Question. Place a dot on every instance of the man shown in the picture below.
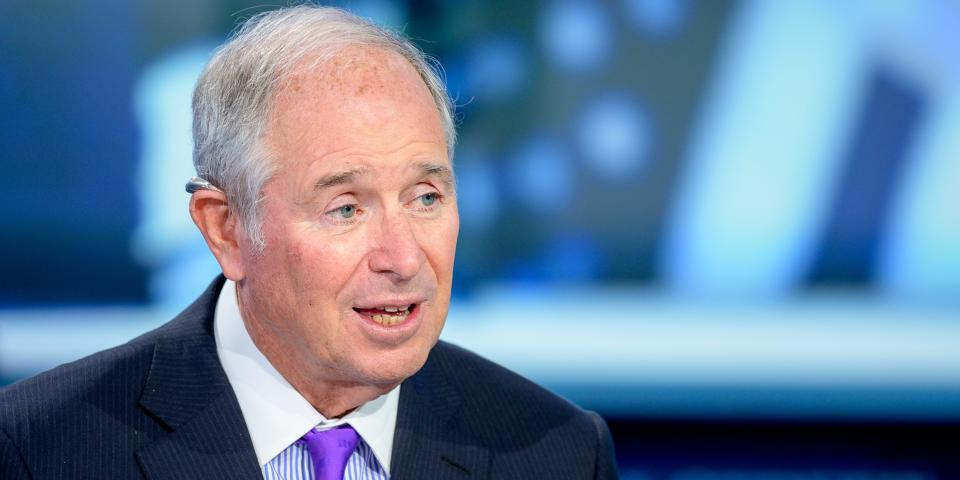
(326, 193)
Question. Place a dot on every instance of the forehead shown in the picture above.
(363, 101)
(360, 89)
(360, 70)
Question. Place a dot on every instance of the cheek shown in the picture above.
(294, 254)
(324, 268)
(449, 237)
(444, 245)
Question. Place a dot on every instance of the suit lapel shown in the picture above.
(430, 440)
(188, 391)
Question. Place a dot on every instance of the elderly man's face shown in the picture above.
(360, 222)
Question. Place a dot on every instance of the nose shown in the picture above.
(397, 252)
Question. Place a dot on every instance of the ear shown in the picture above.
(221, 229)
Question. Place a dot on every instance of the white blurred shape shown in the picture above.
(166, 240)
(920, 259)
(920, 256)
(765, 154)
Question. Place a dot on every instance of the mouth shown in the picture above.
(388, 315)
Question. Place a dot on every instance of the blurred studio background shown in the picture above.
(730, 227)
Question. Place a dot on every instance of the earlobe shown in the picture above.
(221, 230)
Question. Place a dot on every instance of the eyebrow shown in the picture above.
(442, 172)
(427, 169)
(339, 178)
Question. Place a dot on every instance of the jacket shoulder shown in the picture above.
(531, 430)
(492, 386)
(87, 409)
(87, 413)
(117, 371)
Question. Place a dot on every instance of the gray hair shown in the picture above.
(235, 94)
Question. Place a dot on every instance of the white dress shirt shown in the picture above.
(275, 413)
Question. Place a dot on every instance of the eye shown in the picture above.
(427, 202)
(346, 211)
(428, 199)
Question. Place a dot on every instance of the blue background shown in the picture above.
(733, 228)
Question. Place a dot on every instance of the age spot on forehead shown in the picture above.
(355, 71)
(367, 71)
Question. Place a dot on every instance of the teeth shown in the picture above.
(388, 320)
(393, 315)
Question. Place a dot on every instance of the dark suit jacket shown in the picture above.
(160, 407)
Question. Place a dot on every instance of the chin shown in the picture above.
(392, 368)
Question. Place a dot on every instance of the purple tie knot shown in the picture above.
(330, 450)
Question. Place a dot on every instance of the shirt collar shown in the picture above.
(275, 413)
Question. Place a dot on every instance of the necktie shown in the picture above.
(330, 449)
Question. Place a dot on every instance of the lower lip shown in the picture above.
(392, 334)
